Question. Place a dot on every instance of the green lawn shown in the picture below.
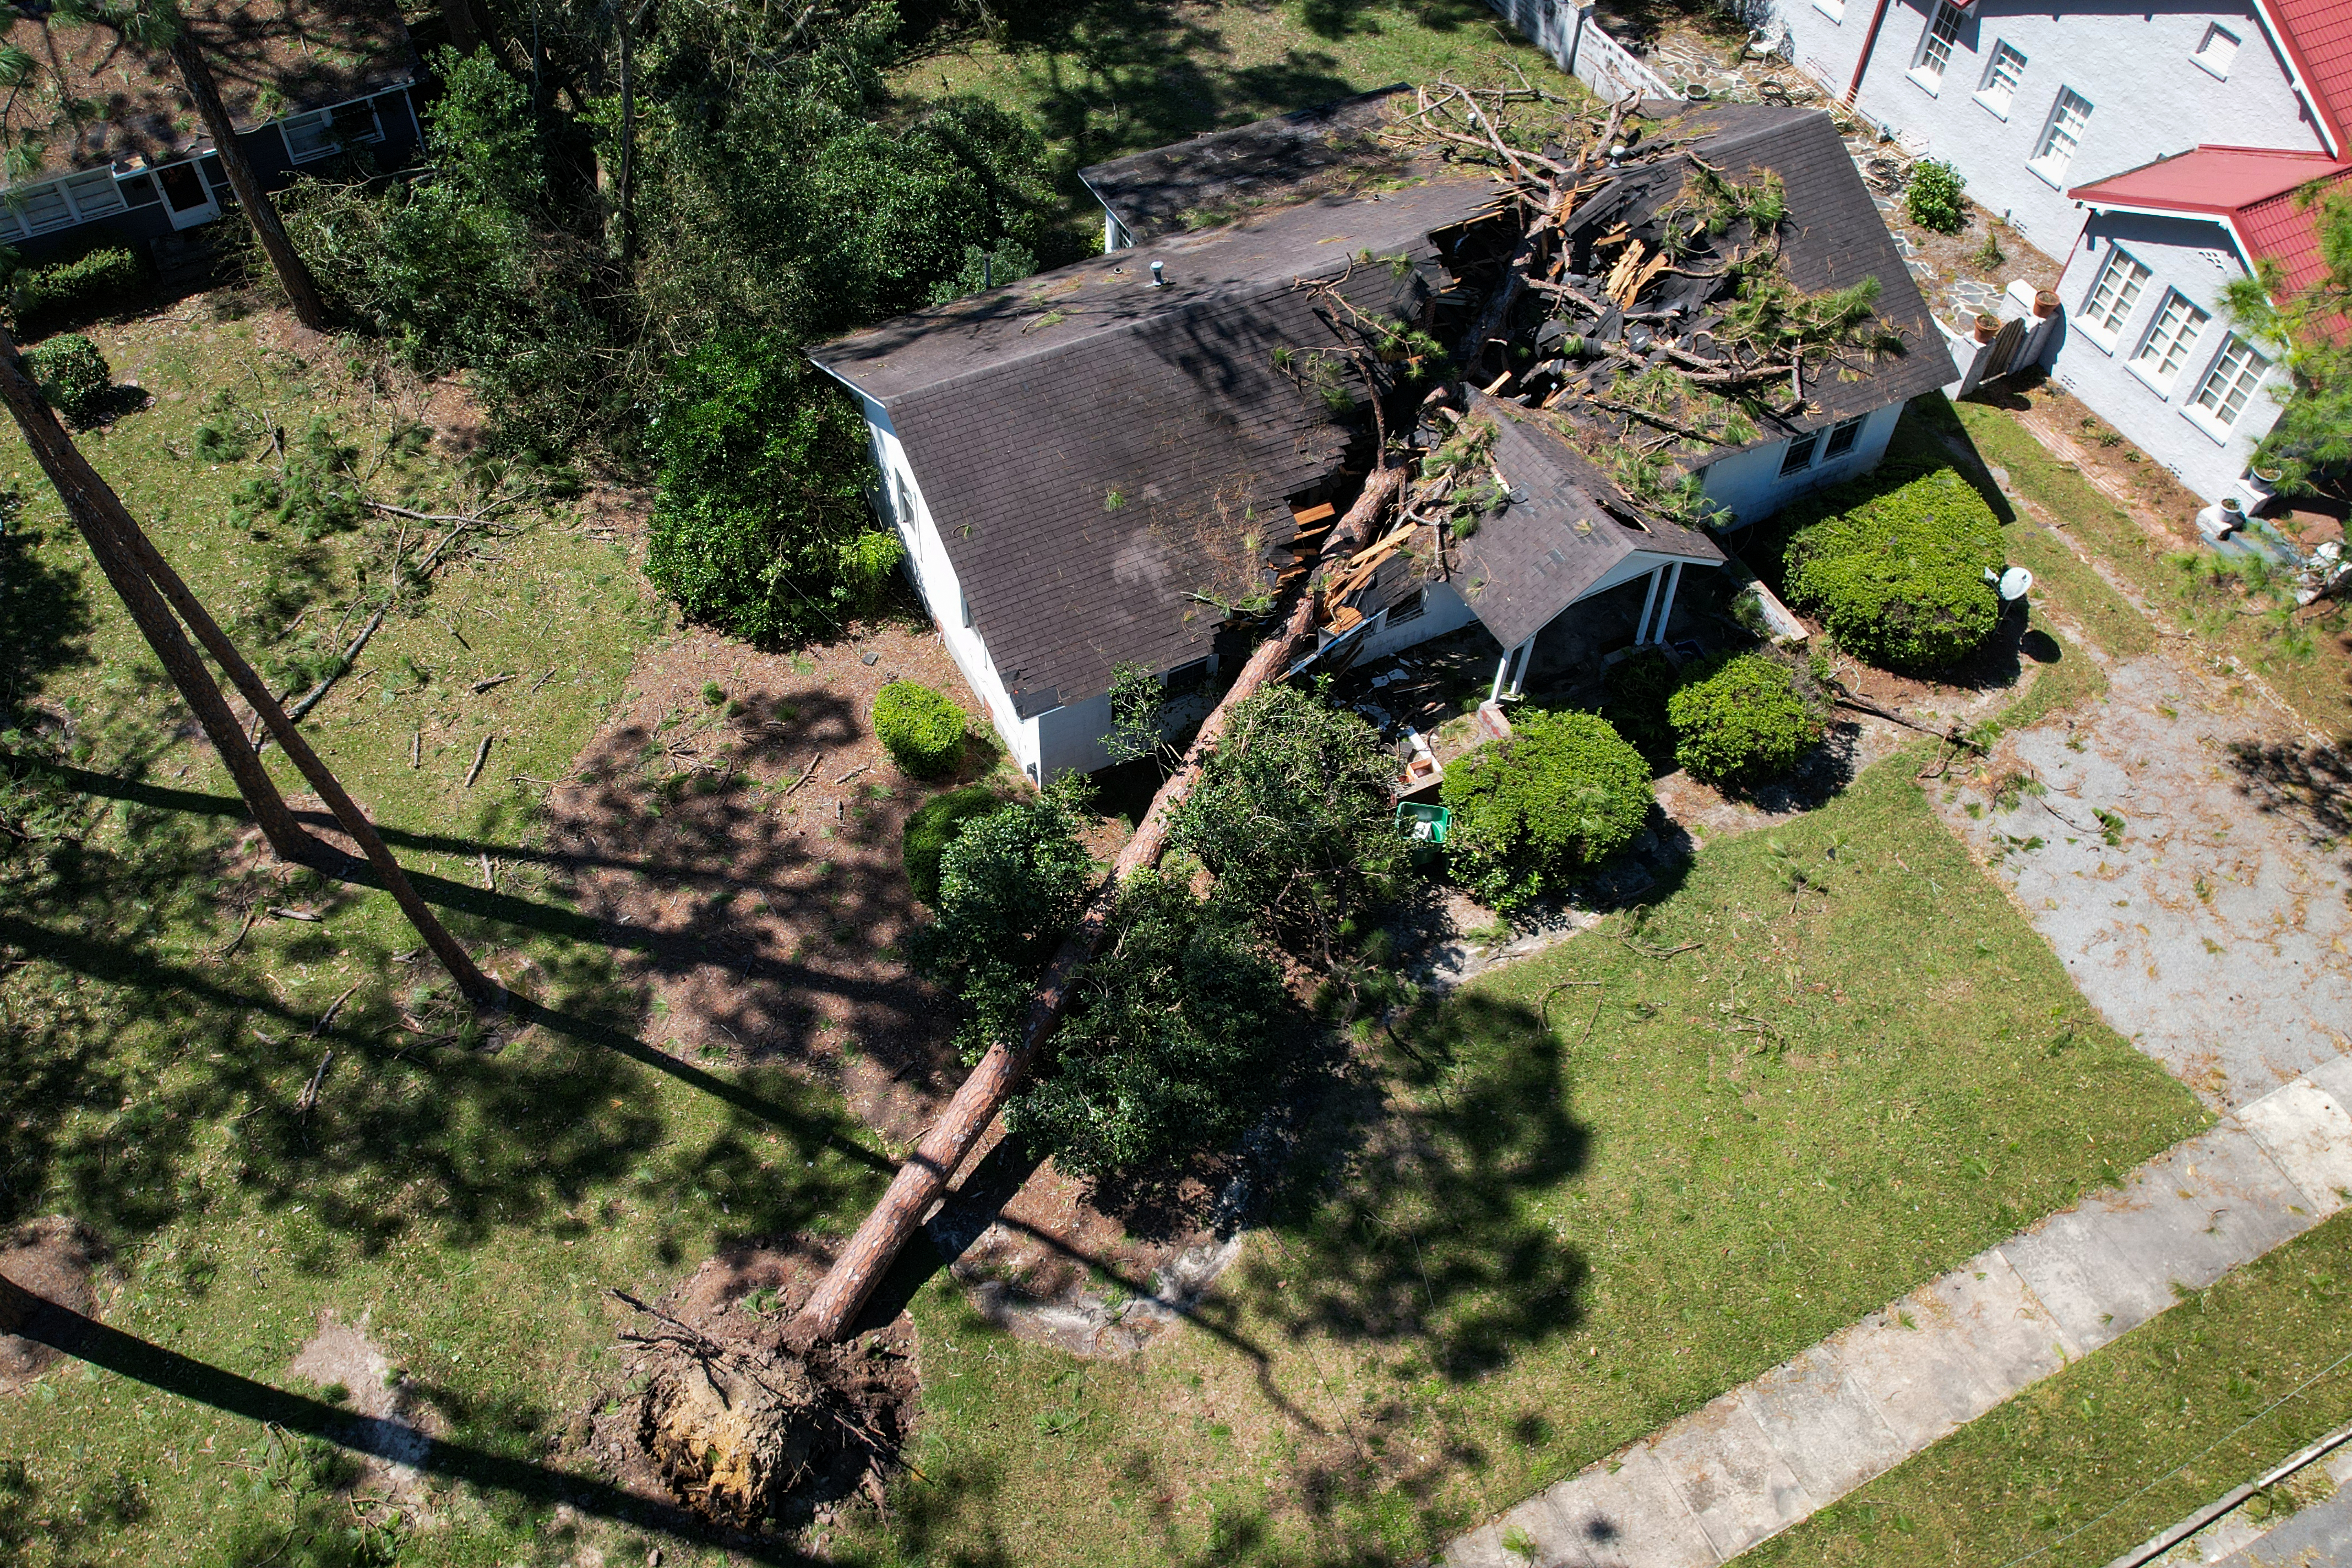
(1107, 78)
(2084, 1465)
(1513, 1246)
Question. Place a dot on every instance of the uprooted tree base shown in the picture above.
(750, 1425)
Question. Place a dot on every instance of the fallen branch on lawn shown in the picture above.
(481, 755)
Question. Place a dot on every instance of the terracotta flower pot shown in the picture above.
(1987, 329)
(2045, 302)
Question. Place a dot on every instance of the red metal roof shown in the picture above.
(2317, 36)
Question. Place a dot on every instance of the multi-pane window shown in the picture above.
(2231, 380)
(2001, 78)
(59, 204)
(2116, 292)
(1842, 437)
(1936, 44)
(324, 130)
(1800, 455)
(2219, 48)
(2171, 337)
(2068, 120)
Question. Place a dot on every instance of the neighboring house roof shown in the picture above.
(2317, 38)
(1095, 451)
(2252, 190)
(1220, 175)
(93, 98)
(1536, 555)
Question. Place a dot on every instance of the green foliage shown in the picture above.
(1743, 721)
(1137, 700)
(1988, 257)
(1179, 1036)
(74, 376)
(1561, 795)
(2310, 447)
(1633, 700)
(1897, 576)
(933, 826)
(761, 526)
(314, 495)
(1293, 816)
(1933, 198)
(922, 730)
(1012, 884)
(985, 267)
(98, 280)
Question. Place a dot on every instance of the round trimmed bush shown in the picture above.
(1933, 197)
(933, 826)
(1743, 722)
(73, 376)
(922, 730)
(1898, 577)
(1562, 795)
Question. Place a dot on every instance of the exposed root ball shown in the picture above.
(731, 1435)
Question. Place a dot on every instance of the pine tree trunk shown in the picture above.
(465, 31)
(478, 989)
(924, 1177)
(259, 210)
(81, 489)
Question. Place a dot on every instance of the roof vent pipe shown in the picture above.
(1158, 277)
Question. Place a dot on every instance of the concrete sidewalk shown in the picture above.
(1705, 1488)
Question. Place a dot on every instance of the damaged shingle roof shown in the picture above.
(1537, 555)
(1095, 452)
(1221, 174)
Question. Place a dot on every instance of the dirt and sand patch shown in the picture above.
(351, 1371)
(59, 1260)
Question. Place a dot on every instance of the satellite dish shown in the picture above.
(2015, 584)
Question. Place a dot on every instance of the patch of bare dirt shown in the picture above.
(340, 1356)
(731, 1414)
(58, 1259)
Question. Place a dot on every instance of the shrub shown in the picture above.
(1012, 884)
(1293, 816)
(1899, 576)
(1179, 1036)
(1933, 198)
(74, 376)
(85, 286)
(1562, 795)
(1633, 700)
(922, 730)
(1743, 721)
(933, 826)
(761, 527)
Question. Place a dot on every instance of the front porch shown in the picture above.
(1577, 645)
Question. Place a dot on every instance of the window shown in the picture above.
(139, 190)
(1410, 610)
(1842, 437)
(2000, 80)
(2168, 343)
(1800, 455)
(59, 204)
(323, 132)
(1833, 9)
(94, 194)
(963, 605)
(2231, 380)
(2068, 118)
(2219, 48)
(1936, 46)
(2116, 293)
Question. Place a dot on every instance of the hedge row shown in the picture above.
(1899, 576)
(87, 285)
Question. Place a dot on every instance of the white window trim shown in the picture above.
(2046, 139)
(1823, 455)
(1999, 108)
(2211, 423)
(1932, 83)
(13, 222)
(2136, 363)
(2106, 337)
(2197, 56)
(1833, 9)
(332, 144)
(1811, 441)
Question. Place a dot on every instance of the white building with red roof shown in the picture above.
(2155, 150)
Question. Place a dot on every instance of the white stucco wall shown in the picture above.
(1750, 485)
(2133, 59)
(2198, 257)
(901, 502)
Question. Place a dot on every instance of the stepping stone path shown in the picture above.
(1706, 1487)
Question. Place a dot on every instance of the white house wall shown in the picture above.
(1748, 484)
(2135, 62)
(2197, 257)
(900, 499)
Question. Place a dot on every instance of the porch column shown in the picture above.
(1667, 609)
(1649, 602)
(1502, 674)
(1522, 656)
